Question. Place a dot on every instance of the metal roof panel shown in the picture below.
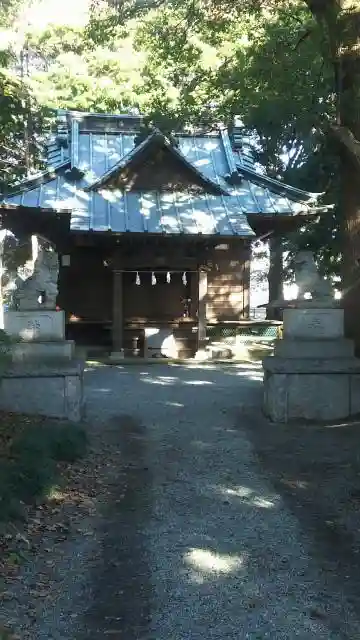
(157, 212)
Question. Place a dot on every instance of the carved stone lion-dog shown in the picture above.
(40, 290)
(308, 279)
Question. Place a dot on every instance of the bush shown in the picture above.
(4, 338)
(28, 463)
(68, 443)
(5, 344)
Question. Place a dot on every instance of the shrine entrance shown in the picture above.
(159, 313)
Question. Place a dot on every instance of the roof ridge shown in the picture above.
(154, 135)
(89, 114)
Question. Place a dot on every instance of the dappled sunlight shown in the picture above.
(164, 381)
(212, 373)
(176, 405)
(262, 503)
(200, 444)
(202, 366)
(57, 497)
(341, 425)
(248, 496)
(250, 374)
(208, 565)
(256, 378)
(295, 484)
(92, 365)
(59, 500)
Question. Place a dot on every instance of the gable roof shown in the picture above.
(155, 141)
(87, 150)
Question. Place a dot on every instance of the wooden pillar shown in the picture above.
(203, 277)
(118, 312)
(245, 314)
(275, 276)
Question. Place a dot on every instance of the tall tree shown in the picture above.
(21, 117)
(340, 23)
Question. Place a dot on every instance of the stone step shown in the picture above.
(56, 350)
(324, 366)
(340, 348)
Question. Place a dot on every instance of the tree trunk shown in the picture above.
(340, 21)
(275, 276)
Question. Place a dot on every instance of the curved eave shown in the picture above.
(25, 221)
(36, 181)
(264, 224)
(298, 195)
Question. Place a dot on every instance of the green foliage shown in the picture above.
(181, 62)
(217, 60)
(77, 76)
(68, 442)
(5, 344)
(29, 457)
(22, 123)
(5, 339)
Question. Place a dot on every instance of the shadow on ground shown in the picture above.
(200, 544)
(120, 576)
(316, 470)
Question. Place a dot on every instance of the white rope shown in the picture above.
(161, 271)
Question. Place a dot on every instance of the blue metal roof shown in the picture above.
(91, 154)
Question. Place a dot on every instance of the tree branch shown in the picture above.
(303, 37)
(347, 139)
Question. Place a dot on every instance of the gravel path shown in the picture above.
(217, 553)
(190, 540)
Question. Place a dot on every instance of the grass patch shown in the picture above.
(31, 451)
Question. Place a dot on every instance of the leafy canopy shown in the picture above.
(182, 62)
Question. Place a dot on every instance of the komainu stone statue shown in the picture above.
(308, 279)
(40, 289)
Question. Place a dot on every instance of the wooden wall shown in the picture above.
(85, 287)
(86, 291)
(228, 285)
(161, 301)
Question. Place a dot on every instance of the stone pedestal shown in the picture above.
(43, 377)
(54, 389)
(35, 326)
(313, 374)
(38, 335)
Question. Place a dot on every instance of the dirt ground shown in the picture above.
(316, 469)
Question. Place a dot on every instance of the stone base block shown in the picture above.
(38, 325)
(219, 352)
(340, 348)
(202, 355)
(23, 351)
(53, 391)
(115, 356)
(312, 324)
(316, 391)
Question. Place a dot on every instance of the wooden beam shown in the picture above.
(203, 277)
(118, 312)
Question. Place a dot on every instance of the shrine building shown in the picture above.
(154, 233)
